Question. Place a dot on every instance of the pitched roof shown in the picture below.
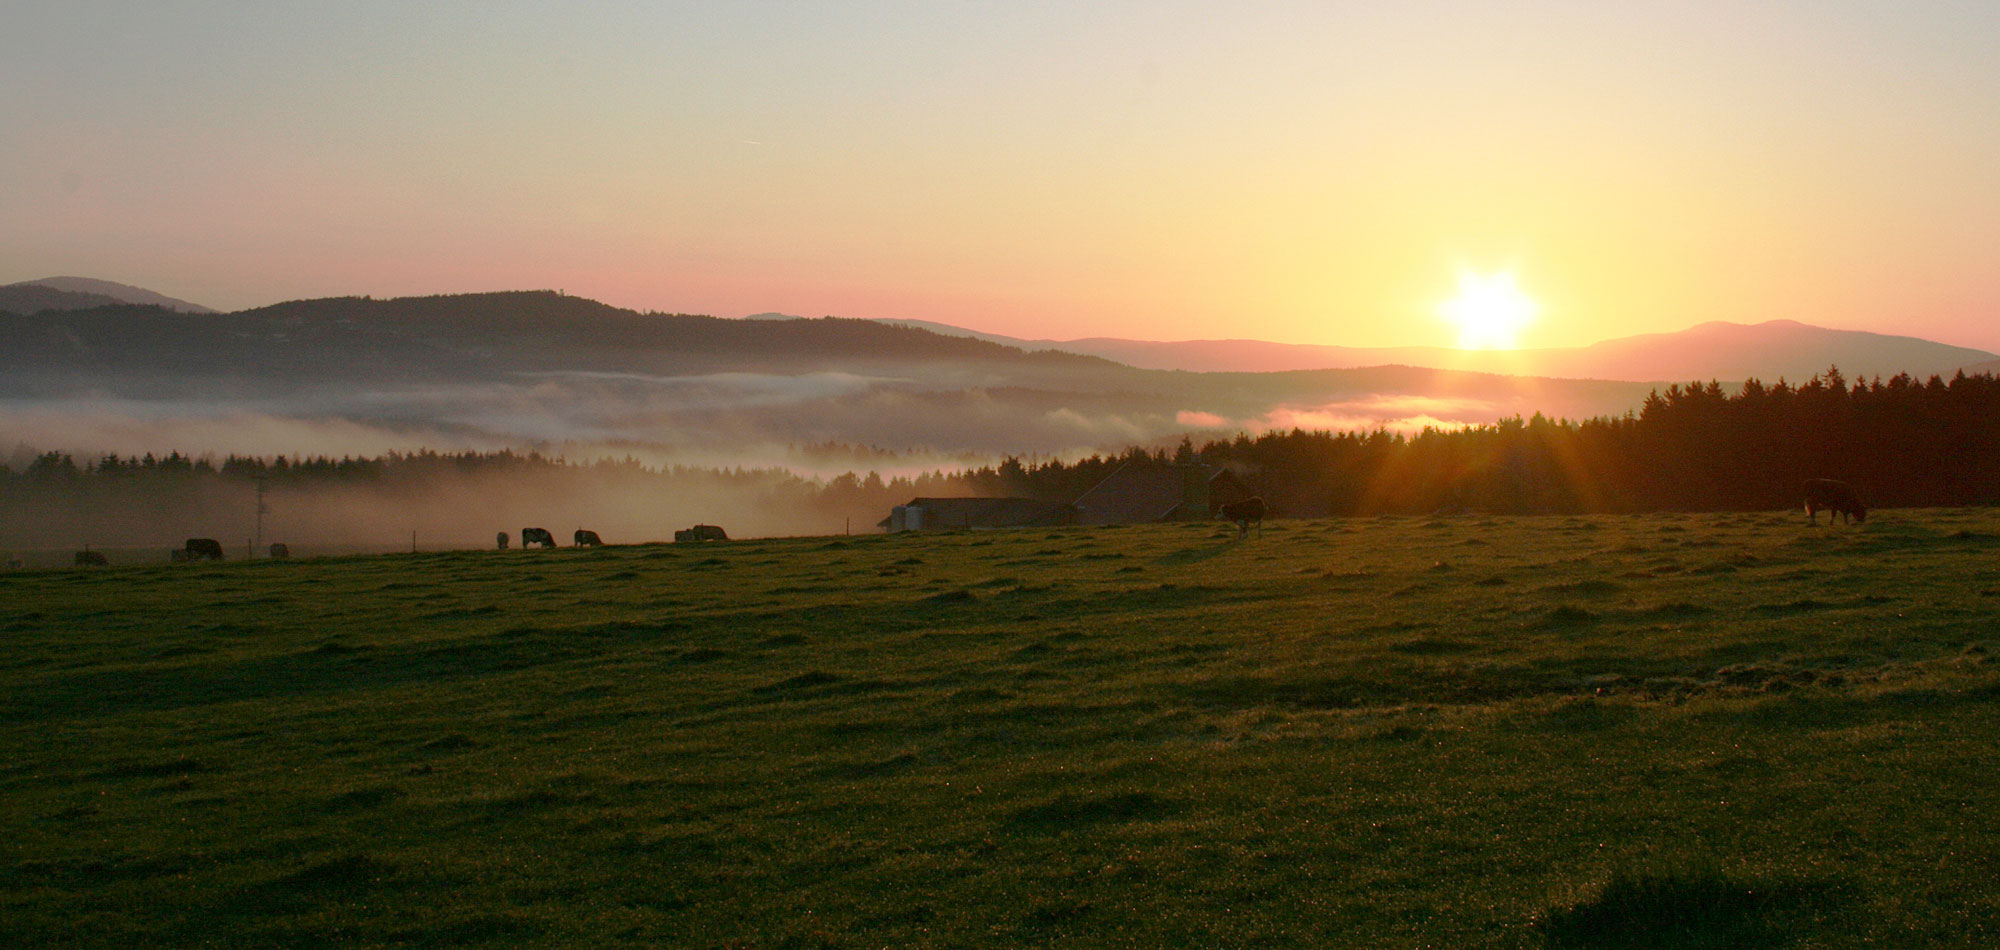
(1134, 494)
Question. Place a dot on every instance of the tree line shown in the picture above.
(1902, 442)
(1695, 447)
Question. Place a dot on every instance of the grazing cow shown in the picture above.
(588, 539)
(204, 549)
(88, 558)
(1245, 513)
(534, 536)
(701, 532)
(1837, 497)
(501, 540)
(279, 550)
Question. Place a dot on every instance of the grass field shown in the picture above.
(1669, 730)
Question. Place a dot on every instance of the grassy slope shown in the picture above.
(1721, 728)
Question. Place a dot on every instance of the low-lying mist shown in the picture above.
(623, 504)
(756, 452)
(924, 415)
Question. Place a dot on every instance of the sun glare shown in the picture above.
(1489, 311)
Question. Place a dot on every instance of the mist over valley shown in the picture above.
(539, 370)
(750, 423)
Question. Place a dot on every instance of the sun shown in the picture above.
(1489, 311)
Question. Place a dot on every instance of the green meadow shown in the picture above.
(1687, 730)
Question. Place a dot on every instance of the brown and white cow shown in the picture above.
(1245, 513)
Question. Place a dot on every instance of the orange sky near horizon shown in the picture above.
(1162, 171)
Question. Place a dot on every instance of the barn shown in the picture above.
(1142, 491)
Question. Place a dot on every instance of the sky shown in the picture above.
(1301, 172)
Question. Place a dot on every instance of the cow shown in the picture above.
(204, 549)
(534, 536)
(701, 532)
(177, 555)
(89, 558)
(1837, 497)
(1245, 513)
(588, 539)
(501, 540)
(280, 550)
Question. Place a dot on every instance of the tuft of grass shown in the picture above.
(1686, 910)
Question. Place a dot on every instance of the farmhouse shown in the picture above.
(938, 514)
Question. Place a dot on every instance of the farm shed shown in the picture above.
(938, 514)
(1142, 491)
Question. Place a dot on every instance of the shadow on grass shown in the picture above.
(1688, 909)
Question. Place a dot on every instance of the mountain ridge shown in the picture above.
(1775, 349)
(1716, 349)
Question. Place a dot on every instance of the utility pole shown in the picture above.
(262, 510)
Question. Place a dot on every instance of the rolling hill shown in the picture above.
(1719, 350)
(78, 293)
(538, 369)
(530, 368)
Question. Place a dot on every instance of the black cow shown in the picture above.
(534, 536)
(204, 549)
(702, 532)
(501, 540)
(1245, 513)
(1837, 497)
(588, 539)
(280, 550)
(91, 559)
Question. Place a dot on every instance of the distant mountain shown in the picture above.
(35, 298)
(1990, 368)
(462, 337)
(121, 293)
(544, 369)
(82, 293)
(1719, 350)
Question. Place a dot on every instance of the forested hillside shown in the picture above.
(455, 338)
